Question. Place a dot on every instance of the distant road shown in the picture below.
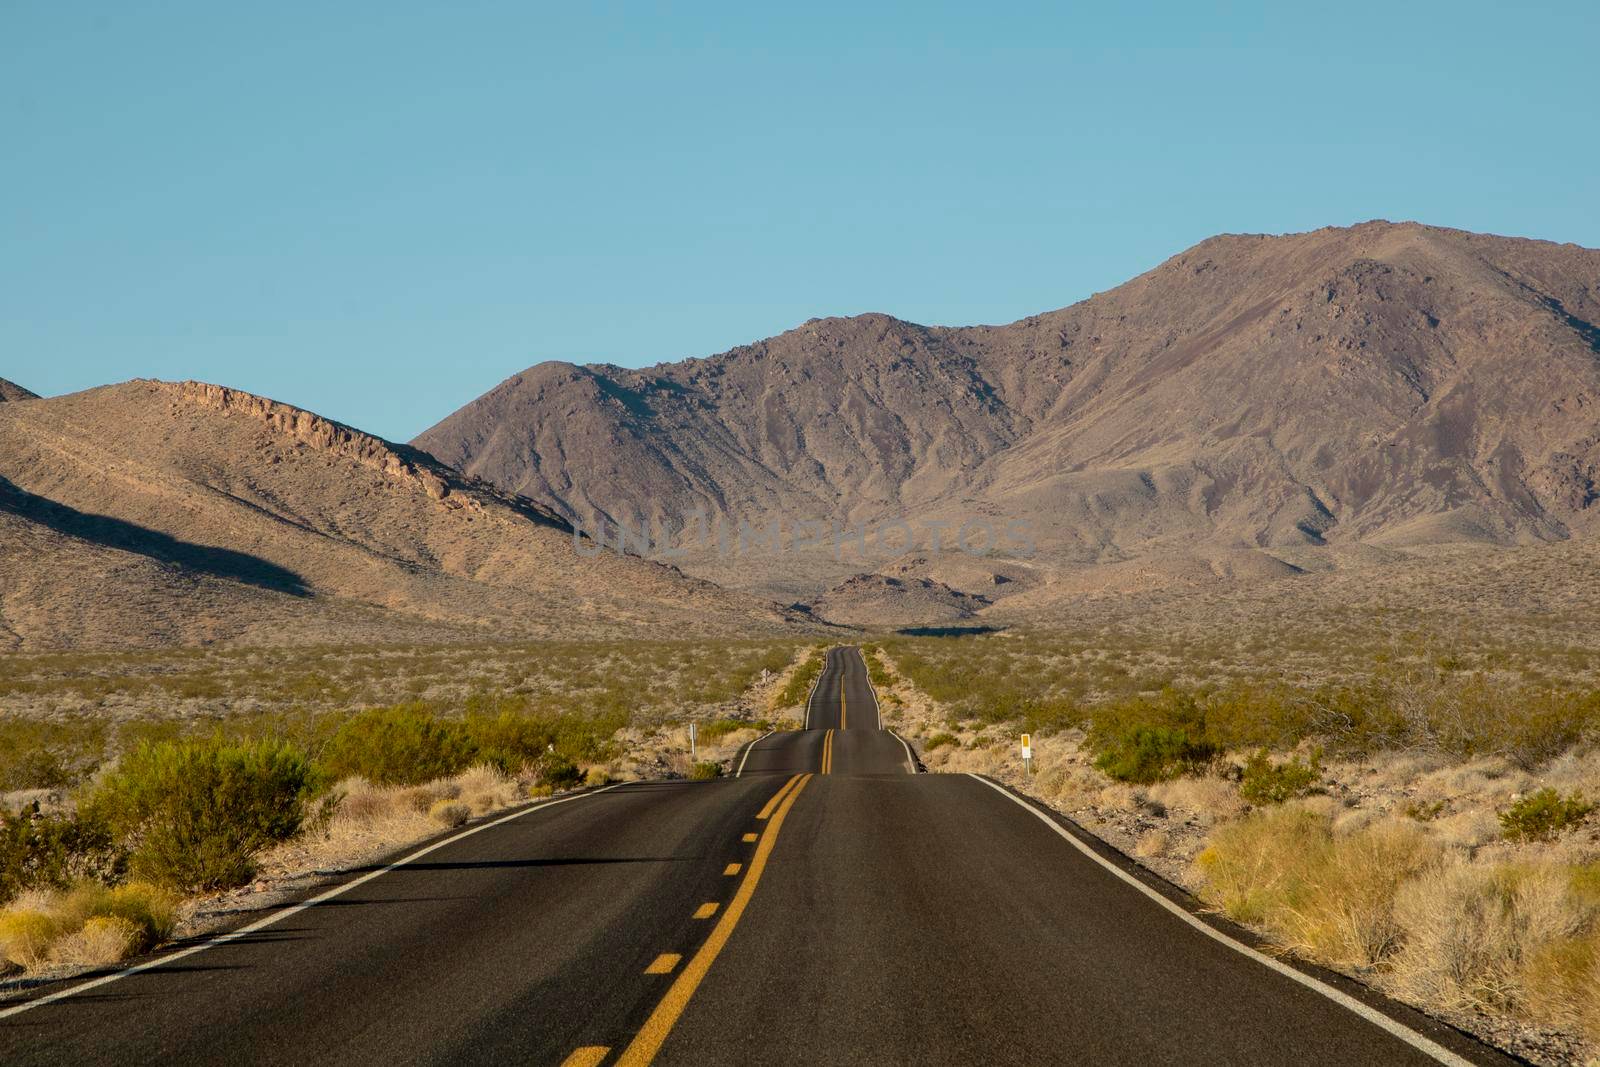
(826, 906)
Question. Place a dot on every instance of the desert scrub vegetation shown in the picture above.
(1263, 781)
(195, 815)
(1512, 933)
(197, 770)
(1544, 815)
(90, 925)
(798, 688)
(646, 677)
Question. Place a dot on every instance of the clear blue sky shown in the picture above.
(379, 211)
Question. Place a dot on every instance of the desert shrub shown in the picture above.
(27, 933)
(939, 740)
(711, 732)
(596, 777)
(1473, 931)
(40, 851)
(48, 755)
(90, 924)
(1265, 782)
(450, 812)
(1544, 815)
(704, 771)
(195, 814)
(1330, 896)
(148, 909)
(557, 771)
(402, 745)
(799, 684)
(1148, 754)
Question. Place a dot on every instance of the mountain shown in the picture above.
(1254, 404)
(155, 513)
(13, 391)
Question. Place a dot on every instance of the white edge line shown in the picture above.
(813, 693)
(911, 760)
(876, 707)
(1421, 1043)
(278, 916)
(740, 772)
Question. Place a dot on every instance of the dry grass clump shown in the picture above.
(89, 925)
(374, 819)
(1472, 929)
(1211, 799)
(449, 812)
(1327, 895)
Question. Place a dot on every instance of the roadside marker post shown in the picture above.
(692, 736)
(1027, 753)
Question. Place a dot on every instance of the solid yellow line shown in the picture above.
(777, 798)
(749, 839)
(643, 1048)
(587, 1056)
(664, 963)
(706, 910)
(732, 869)
(844, 714)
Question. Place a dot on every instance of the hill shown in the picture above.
(1291, 398)
(13, 391)
(154, 513)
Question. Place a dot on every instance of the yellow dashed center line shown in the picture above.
(777, 798)
(649, 1040)
(665, 963)
(706, 910)
(732, 869)
(844, 715)
(749, 839)
(587, 1056)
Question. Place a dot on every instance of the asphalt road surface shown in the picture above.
(826, 906)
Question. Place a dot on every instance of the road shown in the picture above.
(826, 906)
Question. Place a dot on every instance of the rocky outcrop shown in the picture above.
(317, 432)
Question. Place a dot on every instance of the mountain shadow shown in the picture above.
(130, 537)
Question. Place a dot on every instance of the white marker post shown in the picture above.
(1027, 753)
(691, 742)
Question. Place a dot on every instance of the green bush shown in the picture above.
(1267, 783)
(404, 745)
(799, 685)
(1544, 815)
(939, 740)
(194, 815)
(557, 772)
(1147, 754)
(50, 851)
(704, 771)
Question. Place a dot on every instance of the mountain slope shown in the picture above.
(13, 391)
(1385, 383)
(215, 514)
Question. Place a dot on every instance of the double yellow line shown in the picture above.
(649, 1040)
(827, 752)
